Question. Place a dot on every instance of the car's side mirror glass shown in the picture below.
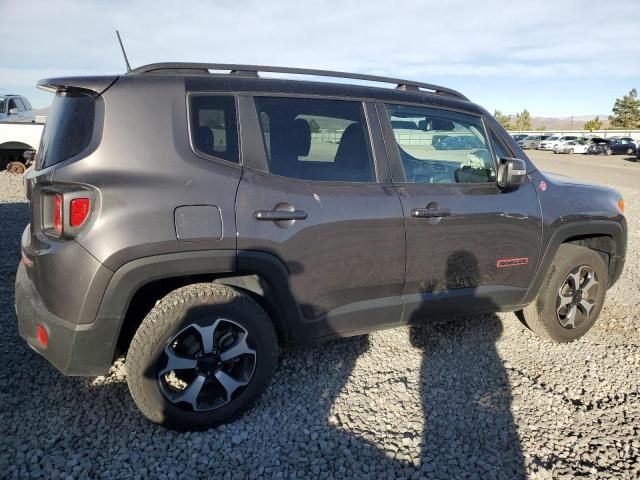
(511, 172)
(13, 111)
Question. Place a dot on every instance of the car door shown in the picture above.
(470, 245)
(315, 195)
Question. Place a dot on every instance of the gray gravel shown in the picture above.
(479, 397)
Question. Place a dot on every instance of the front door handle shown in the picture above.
(277, 215)
(430, 212)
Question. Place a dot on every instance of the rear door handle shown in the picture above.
(430, 212)
(276, 215)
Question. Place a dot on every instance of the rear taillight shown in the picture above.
(57, 213)
(65, 211)
(79, 211)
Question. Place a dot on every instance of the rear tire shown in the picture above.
(17, 168)
(577, 274)
(222, 347)
(608, 151)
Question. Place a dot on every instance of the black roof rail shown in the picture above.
(252, 70)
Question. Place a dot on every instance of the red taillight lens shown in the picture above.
(43, 336)
(79, 208)
(57, 213)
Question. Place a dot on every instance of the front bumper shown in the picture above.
(74, 349)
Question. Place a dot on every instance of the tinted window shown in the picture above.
(448, 147)
(27, 104)
(68, 129)
(3, 104)
(214, 126)
(19, 104)
(315, 139)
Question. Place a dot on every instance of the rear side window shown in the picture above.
(214, 126)
(68, 129)
(309, 139)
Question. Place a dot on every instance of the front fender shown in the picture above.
(616, 229)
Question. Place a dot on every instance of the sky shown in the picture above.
(552, 57)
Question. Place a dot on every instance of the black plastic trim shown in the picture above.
(586, 228)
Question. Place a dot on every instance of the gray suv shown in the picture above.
(195, 221)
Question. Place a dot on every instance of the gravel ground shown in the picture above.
(478, 397)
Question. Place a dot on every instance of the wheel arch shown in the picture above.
(607, 237)
(16, 146)
(136, 287)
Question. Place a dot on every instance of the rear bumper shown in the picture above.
(74, 349)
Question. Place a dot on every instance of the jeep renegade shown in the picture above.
(195, 217)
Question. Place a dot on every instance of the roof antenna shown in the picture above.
(126, 60)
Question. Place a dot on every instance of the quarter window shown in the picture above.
(310, 139)
(214, 126)
(438, 146)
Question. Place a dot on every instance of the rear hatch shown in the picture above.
(71, 133)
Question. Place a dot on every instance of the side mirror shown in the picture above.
(13, 111)
(511, 172)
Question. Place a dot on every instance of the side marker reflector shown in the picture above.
(43, 336)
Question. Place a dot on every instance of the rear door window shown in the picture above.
(311, 139)
(214, 126)
(68, 130)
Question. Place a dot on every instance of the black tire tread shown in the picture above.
(532, 314)
(154, 322)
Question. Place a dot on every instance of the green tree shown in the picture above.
(542, 128)
(315, 126)
(523, 120)
(504, 120)
(626, 111)
(593, 124)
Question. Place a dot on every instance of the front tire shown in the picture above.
(200, 357)
(571, 296)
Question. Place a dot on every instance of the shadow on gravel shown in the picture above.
(465, 391)
(53, 426)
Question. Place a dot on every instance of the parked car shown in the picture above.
(458, 142)
(611, 146)
(15, 108)
(519, 136)
(18, 145)
(551, 142)
(532, 141)
(572, 146)
(153, 235)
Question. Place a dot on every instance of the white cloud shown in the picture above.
(421, 40)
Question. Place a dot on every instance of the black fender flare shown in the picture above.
(613, 228)
(132, 276)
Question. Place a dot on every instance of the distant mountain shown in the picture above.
(564, 123)
(42, 111)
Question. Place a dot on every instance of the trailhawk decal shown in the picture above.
(512, 262)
